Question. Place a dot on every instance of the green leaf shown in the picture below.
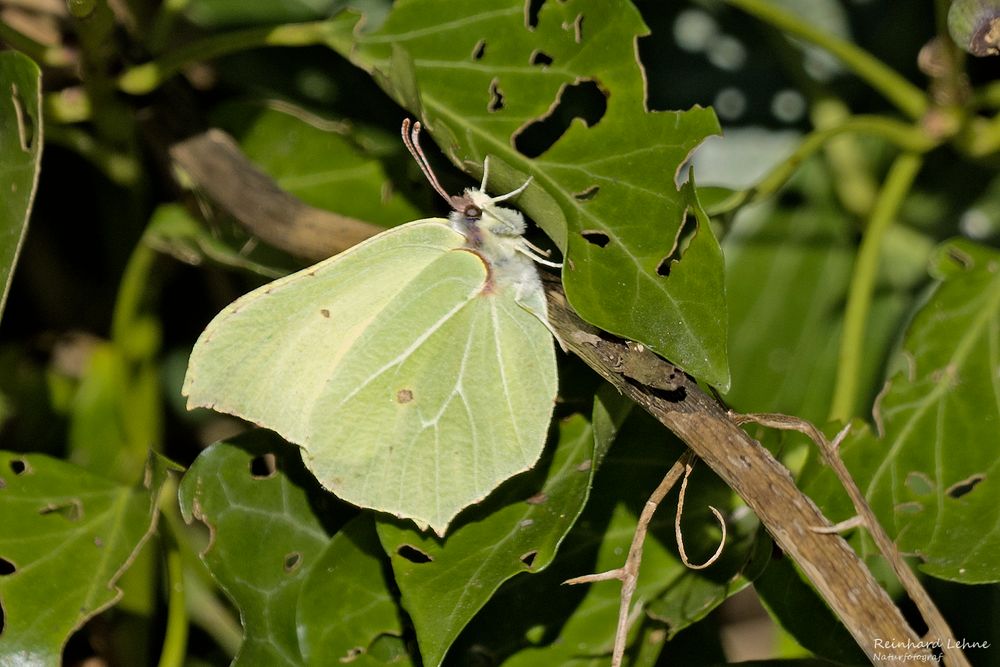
(787, 272)
(268, 521)
(317, 160)
(345, 606)
(68, 536)
(930, 473)
(20, 155)
(482, 79)
(518, 529)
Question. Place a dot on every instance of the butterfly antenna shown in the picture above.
(411, 139)
(513, 193)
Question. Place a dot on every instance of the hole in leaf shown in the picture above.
(584, 100)
(404, 396)
(293, 561)
(264, 466)
(25, 123)
(413, 554)
(588, 194)
(687, 230)
(6, 567)
(71, 511)
(600, 239)
(529, 557)
(19, 466)
(479, 50)
(577, 27)
(531, 9)
(959, 489)
(496, 97)
(540, 58)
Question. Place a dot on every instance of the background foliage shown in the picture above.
(849, 272)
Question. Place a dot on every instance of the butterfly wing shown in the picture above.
(410, 388)
(455, 410)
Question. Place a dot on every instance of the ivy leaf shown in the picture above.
(930, 473)
(21, 148)
(269, 522)
(68, 536)
(345, 607)
(491, 78)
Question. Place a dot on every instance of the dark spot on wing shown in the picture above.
(404, 396)
(325, 313)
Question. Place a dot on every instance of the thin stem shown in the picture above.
(145, 78)
(907, 137)
(897, 185)
(51, 56)
(175, 637)
(906, 96)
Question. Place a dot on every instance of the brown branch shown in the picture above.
(213, 161)
(837, 573)
(937, 626)
(220, 169)
(628, 573)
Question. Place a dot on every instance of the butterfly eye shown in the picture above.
(473, 212)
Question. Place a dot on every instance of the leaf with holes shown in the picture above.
(932, 474)
(346, 610)
(21, 148)
(558, 93)
(67, 537)
(269, 522)
(516, 530)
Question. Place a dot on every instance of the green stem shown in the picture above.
(897, 184)
(907, 137)
(50, 56)
(906, 96)
(145, 78)
(175, 637)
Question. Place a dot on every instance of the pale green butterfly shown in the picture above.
(415, 370)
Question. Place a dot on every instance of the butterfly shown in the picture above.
(416, 370)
